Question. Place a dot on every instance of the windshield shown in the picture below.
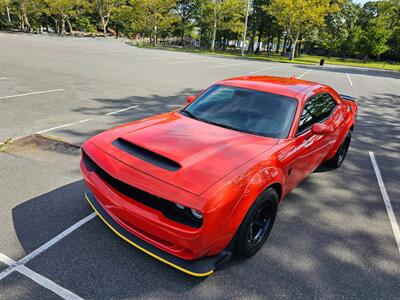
(244, 110)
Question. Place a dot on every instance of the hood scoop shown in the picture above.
(147, 155)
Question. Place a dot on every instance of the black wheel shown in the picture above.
(257, 224)
(341, 153)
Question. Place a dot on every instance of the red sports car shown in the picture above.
(194, 186)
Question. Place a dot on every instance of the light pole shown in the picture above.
(201, 23)
(245, 25)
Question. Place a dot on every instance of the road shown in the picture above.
(332, 238)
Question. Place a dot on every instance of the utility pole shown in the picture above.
(245, 25)
(214, 25)
(201, 23)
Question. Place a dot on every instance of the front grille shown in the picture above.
(167, 207)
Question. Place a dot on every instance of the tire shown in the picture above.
(337, 160)
(257, 224)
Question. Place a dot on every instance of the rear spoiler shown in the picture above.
(347, 98)
(351, 103)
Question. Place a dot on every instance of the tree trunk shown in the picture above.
(284, 46)
(298, 48)
(8, 15)
(214, 36)
(104, 24)
(268, 41)
(279, 42)
(261, 28)
(55, 26)
(62, 26)
(271, 47)
(183, 34)
(21, 21)
(69, 26)
(250, 48)
(224, 42)
(155, 35)
(27, 21)
(293, 49)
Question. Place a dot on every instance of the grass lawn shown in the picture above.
(305, 59)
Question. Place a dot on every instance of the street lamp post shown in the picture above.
(245, 25)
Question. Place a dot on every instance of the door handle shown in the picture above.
(307, 143)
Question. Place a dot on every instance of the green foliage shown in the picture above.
(373, 40)
(333, 27)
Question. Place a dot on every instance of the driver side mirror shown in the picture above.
(321, 129)
(190, 99)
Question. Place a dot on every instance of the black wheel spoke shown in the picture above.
(260, 224)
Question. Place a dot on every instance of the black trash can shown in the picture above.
(322, 61)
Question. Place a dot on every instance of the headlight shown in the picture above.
(197, 214)
(180, 206)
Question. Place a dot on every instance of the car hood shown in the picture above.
(181, 151)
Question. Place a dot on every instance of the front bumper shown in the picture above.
(200, 268)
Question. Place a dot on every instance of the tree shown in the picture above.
(186, 10)
(104, 9)
(341, 32)
(155, 17)
(63, 10)
(373, 40)
(24, 9)
(298, 17)
(227, 16)
(5, 6)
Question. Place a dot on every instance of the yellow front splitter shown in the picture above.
(200, 268)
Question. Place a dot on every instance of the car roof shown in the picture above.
(290, 87)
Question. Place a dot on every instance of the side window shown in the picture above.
(317, 109)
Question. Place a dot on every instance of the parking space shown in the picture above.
(333, 237)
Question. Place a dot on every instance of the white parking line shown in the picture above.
(33, 93)
(85, 120)
(65, 125)
(265, 69)
(55, 239)
(385, 196)
(348, 77)
(39, 279)
(121, 110)
(47, 283)
(12, 267)
(306, 72)
(3, 78)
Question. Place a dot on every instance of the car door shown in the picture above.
(310, 148)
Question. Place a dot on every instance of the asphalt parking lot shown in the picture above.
(334, 237)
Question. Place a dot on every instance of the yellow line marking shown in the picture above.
(144, 250)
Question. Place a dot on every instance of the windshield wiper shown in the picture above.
(222, 125)
(189, 114)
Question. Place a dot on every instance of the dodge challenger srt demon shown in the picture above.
(194, 186)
